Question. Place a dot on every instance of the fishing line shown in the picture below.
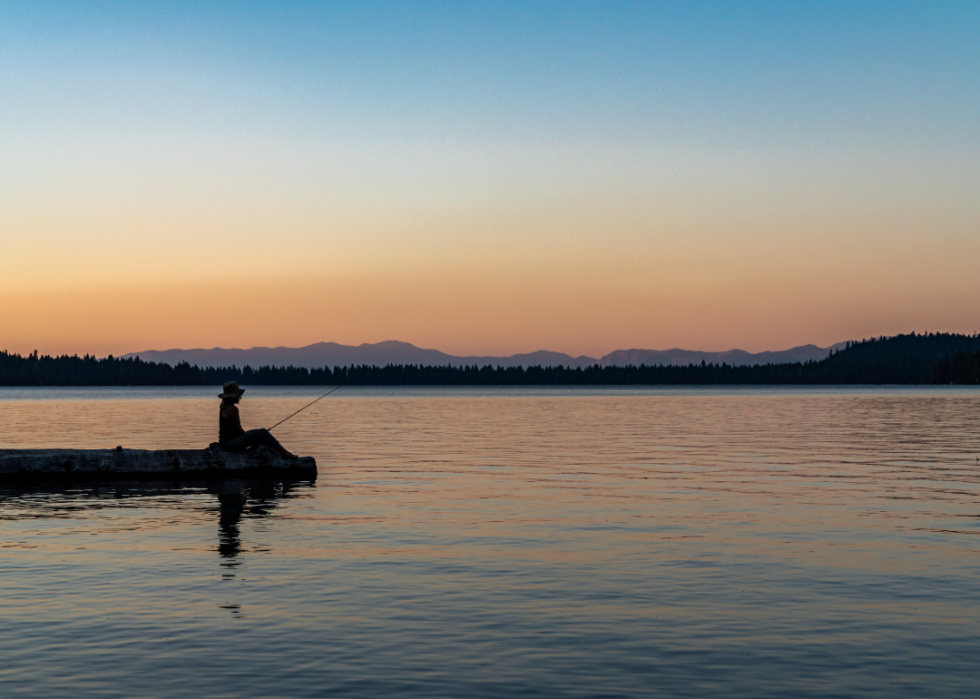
(335, 388)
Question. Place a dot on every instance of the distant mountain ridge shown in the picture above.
(905, 359)
(735, 357)
(332, 354)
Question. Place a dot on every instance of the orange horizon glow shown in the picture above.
(581, 192)
(462, 316)
(585, 277)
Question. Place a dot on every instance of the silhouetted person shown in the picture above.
(231, 436)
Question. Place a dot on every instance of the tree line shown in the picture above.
(901, 359)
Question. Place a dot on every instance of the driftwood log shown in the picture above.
(112, 464)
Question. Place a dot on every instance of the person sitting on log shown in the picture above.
(231, 436)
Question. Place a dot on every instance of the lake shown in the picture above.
(607, 542)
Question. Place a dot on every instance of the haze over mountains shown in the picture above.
(331, 354)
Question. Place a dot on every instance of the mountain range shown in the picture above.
(331, 354)
(736, 357)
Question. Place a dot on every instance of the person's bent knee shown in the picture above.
(266, 439)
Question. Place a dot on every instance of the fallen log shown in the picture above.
(113, 464)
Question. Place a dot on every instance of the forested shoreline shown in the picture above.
(934, 358)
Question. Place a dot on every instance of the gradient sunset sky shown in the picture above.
(487, 178)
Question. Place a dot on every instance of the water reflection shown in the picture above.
(239, 499)
(236, 499)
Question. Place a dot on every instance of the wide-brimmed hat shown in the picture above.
(231, 390)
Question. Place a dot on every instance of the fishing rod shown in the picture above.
(335, 388)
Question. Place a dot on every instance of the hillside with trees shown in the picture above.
(910, 359)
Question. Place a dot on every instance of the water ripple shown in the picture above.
(487, 543)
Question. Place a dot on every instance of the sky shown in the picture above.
(487, 178)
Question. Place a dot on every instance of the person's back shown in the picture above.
(229, 424)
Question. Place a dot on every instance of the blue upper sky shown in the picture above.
(756, 72)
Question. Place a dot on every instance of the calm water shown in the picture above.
(459, 543)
